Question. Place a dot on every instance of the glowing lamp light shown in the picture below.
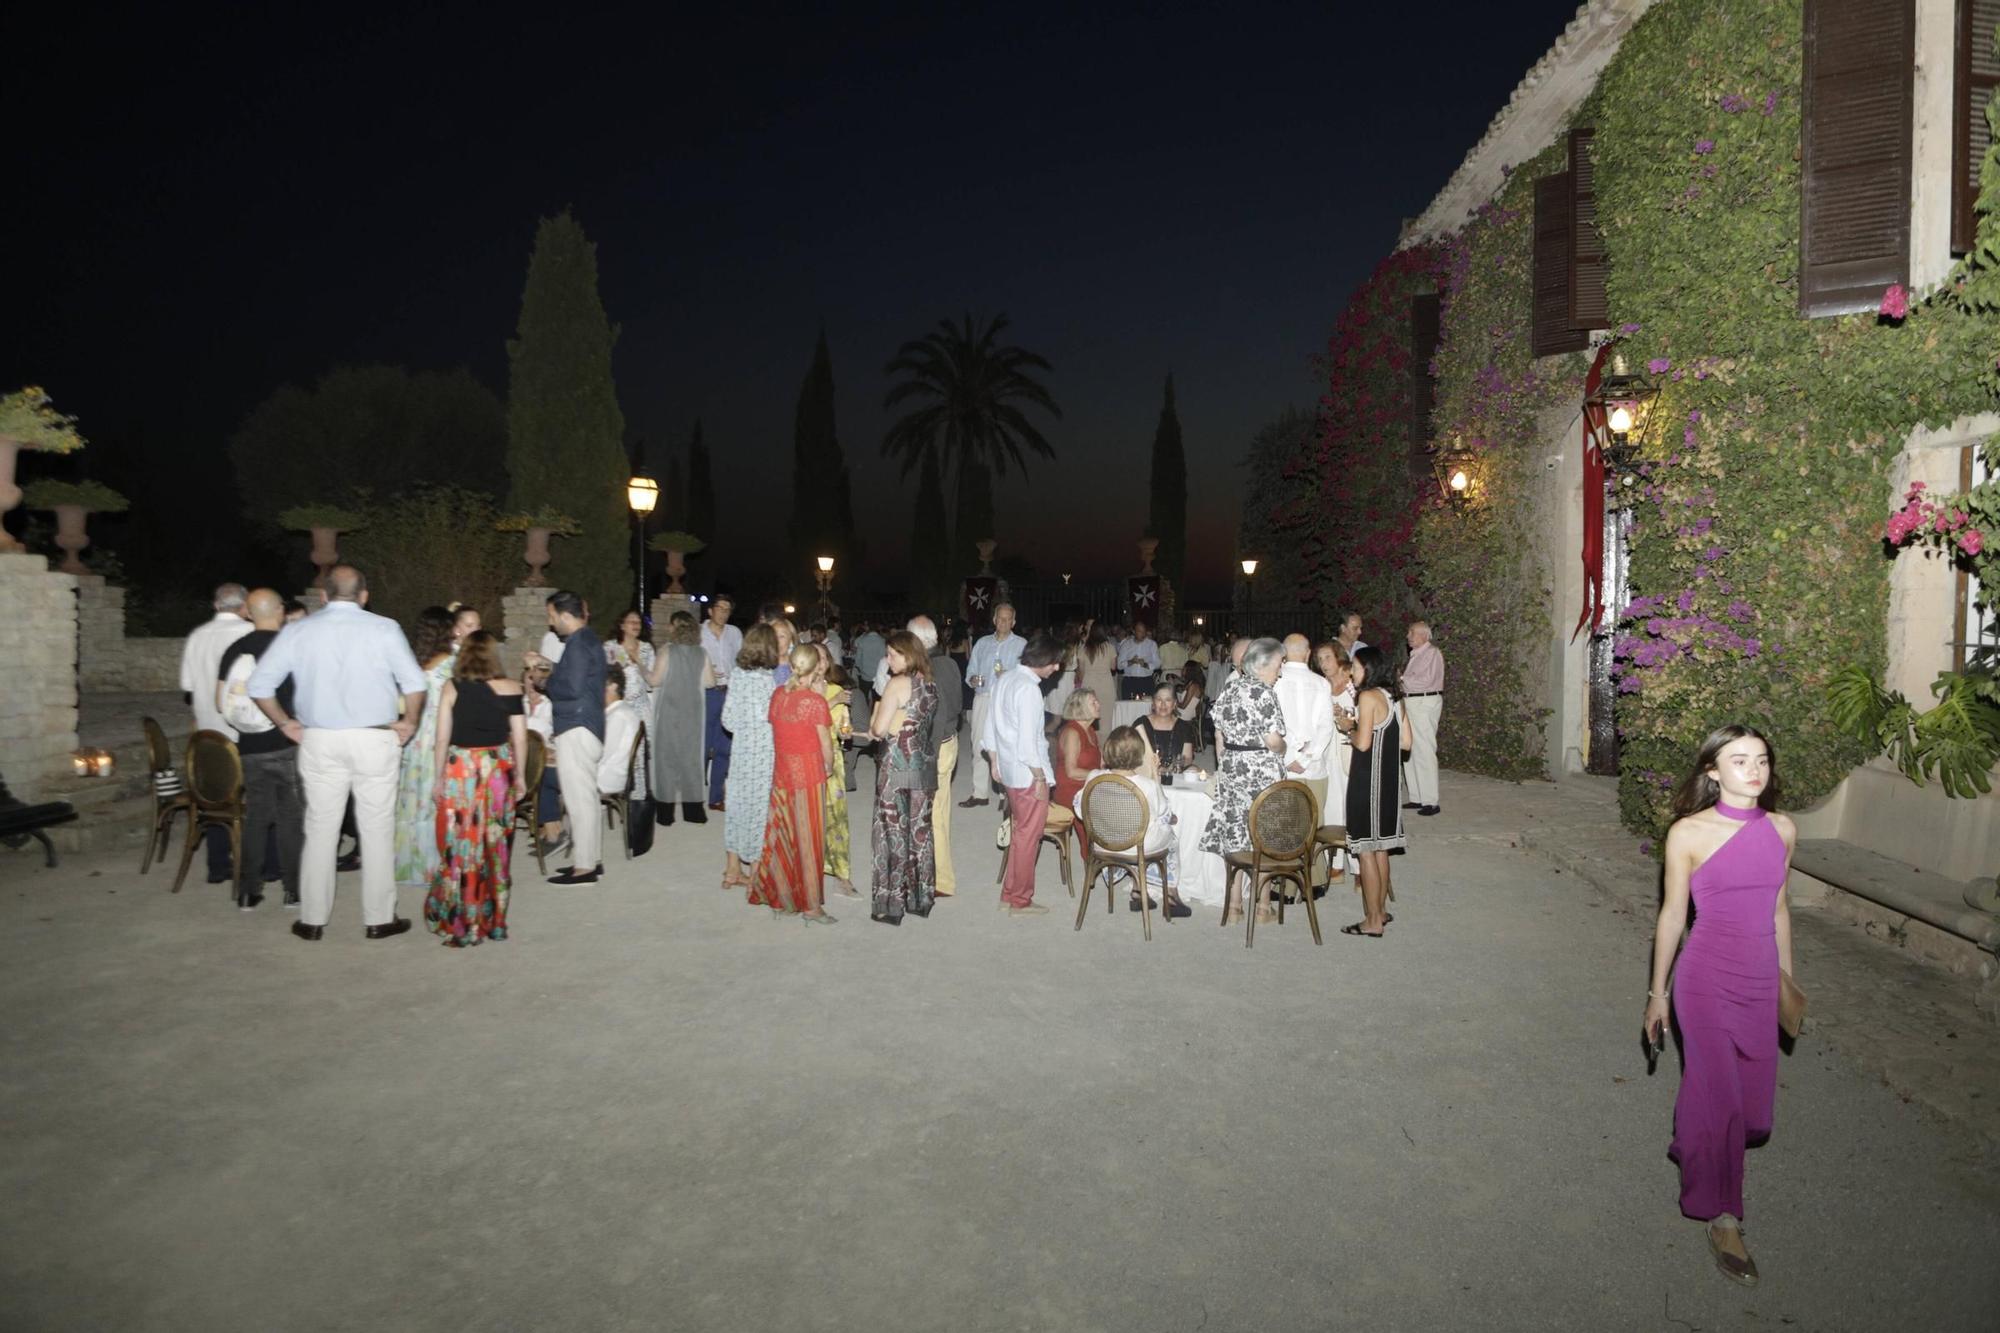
(790, 609)
(1459, 481)
(825, 564)
(1198, 620)
(92, 763)
(1249, 568)
(1620, 420)
(642, 493)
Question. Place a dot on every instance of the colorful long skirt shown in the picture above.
(416, 831)
(468, 898)
(905, 855)
(839, 841)
(788, 873)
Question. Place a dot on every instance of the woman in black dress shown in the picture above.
(1171, 738)
(1381, 736)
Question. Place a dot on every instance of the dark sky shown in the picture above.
(203, 209)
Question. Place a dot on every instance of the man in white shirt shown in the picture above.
(621, 735)
(1306, 700)
(1012, 735)
(720, 641)
(1139, 664)
(1350, 632)
(201, 658)
(992, 657)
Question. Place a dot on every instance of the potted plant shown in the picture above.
(540, 525)
(678, 546)
(325, 523)
(28, 420)
(70, 501)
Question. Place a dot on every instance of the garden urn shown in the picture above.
(325, 548)
(537, 555)
(1147, 546)
(985, 549)
(10, 494)
(71, 537)
(677, 566)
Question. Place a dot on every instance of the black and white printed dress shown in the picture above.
(1247, 712)
(1375, 790)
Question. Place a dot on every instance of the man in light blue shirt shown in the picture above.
(1139, 663)
(869, 646)
(992, 657)
(348, 669)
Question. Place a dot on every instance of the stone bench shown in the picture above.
(1937, 901)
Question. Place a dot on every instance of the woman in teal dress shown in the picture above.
(416, 789)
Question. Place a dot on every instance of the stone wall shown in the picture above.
(38, 623)
(106, 659)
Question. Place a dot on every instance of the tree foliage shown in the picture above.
(433, 544)
(700, 489)
(1166, 517)
(933, 585)
(363, 427)
(822, 495)
(968, 396)
(1268, 527)
(565, 433)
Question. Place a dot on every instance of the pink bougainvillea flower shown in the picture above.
(1733, 104)
(1659, 365)
(1704, 146)
(1770, 101)
(1971, 542)
(1895, 302)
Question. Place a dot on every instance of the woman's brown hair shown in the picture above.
(916, 662)
(1698, 791)
(1125, 749)
(478, 657)
(760, 649)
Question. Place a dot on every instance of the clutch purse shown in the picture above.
(1791, 1005)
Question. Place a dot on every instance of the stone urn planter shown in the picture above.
(69, 501)
(538, 528)
(537, 556)
(678, 546)
(985, 547)
(325, 523)
(1148, 546)
(28, 420)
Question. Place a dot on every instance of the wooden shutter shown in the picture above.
(1978, 74)
(1854, 226)
(1588, 307)
(1551, 331)
(1424, 329)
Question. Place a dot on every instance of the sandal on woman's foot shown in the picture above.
(817, 918)
(845, 888)
(885, 920)
(1133, 902)
(1741, 1270)
(1176, 908)
(1356, 929)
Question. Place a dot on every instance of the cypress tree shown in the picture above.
(673, 498)
(1167, 518)
(565, 434)
(932, 571)
(700, 489)
(822, 498)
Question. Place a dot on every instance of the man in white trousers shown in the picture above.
(1306, 699)
(992, 657)
(1423, 698)
(576, 701)
(347, 667)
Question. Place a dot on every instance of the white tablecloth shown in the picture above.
(1127, 712)
(1203, 876)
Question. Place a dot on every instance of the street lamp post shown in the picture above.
(642, 493)
(825, 580)
(1249, 592)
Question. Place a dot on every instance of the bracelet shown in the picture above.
(1656, 995)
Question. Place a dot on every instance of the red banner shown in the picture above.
(1593, 504)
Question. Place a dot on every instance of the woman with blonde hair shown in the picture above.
(790, 867)
(1128, 755)
(839, 837)
(1076, 745)
(746, 716)
(480, 743)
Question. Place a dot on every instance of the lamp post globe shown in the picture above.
(642, 494)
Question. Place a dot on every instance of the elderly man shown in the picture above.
(273, 810)
(1306, 700)
(992, 657)
(1138, 663)
(348, 668)
(1019, 755)
(576, 702)
(1423, 699)
(944, 732)
(200, 658)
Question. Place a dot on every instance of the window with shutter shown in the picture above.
(1588, 307)
(1854, 224)
(1550, 331)
(1424, 326)
(1977, 76)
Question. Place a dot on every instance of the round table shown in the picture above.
(1127, 712)
(1204, 879)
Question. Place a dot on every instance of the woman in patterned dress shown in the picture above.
(839, 839)
(480, 742)
(790, 870)
(632, 654)
(1381, 736)
(746, 716)
(416, 810)
(1249, 737)
(905, 784)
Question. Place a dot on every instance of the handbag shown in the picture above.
(1791, 1005)
(639, 813)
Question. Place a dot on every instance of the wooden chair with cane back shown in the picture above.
(525, 813)
(1282, 831)
(1117, 817)
(1329, 841)
(215, 791)
(617, 806)
(170, 793)
(1056, 833)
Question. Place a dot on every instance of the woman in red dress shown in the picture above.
(789, 872)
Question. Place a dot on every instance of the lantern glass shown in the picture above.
(642, 493)
(1249, 568)
(825, 564)
(790, 609)
(1460, 482)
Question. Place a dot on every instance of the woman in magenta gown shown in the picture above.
(1729, 851)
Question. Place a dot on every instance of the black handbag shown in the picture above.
(639, 812)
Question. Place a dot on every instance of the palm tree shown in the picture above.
(970, 392)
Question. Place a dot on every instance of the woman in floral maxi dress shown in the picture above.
(746, 794)
(416, 828)
(1249, 737)
(480, 743)
(791, 868)
(839, 840)
(905, 784)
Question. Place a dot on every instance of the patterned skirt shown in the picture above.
(839, 841)
(905, 855)
(788, 873)
(468, 898)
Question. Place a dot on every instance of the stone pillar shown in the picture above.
(524, 612)
(100, 634)
(38, 636)
(665, 605)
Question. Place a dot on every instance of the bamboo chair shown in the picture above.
(1117, 817)
(1282, 831)
(525, 813)
(170, 794)
(1056, 833)
(215, 794)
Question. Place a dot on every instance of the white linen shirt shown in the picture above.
(621, 733)
(721, 649)
(992, 658)
(1014, 734)
(201, 666)
(1307, 703)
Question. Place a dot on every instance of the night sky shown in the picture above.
(201, 210)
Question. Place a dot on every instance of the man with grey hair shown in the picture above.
(1306, 699)
(944, 731)
(1423, 700)
(992, 657)
(201, 657)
